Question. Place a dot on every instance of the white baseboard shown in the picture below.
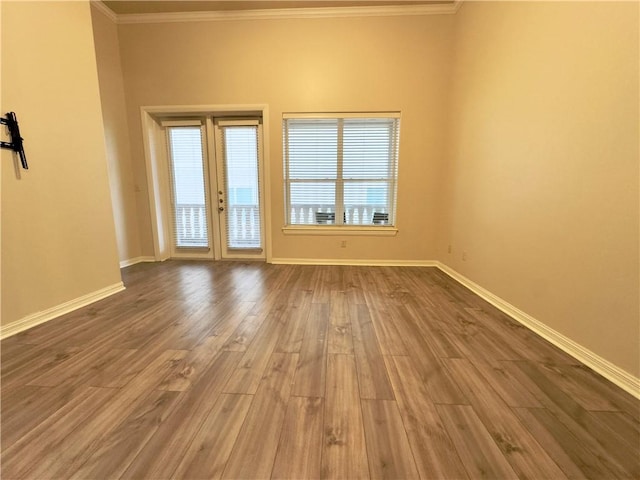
(54, 312)
(133, 261)
(360, 263)
(615, 374)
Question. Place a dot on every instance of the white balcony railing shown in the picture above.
(305, 214)
(243, 226)
(243, 222)
(191, 226)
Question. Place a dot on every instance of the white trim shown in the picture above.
(313, 230)
(169, 196)
(49, 314)
(160, 249)
(354, 262)
(615, 374)
(216, 236)
(223, 110)
(297, 13)
(135, 260)
(181, 123)
(266, 184)
(231, 122)
(339, 115)
(221, 125)
(106, 11)
(150, 116)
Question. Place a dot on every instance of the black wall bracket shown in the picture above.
(16, 140)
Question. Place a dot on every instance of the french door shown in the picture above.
(215, 176)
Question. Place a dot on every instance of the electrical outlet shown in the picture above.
(449, 249)
(464, 256)
(343, 244)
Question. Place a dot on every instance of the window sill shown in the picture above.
(313, 230)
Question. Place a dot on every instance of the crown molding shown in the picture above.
(106, 11)
(288, 13)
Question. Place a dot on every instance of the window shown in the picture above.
(341, 169)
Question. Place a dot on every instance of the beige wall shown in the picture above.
(58, 240)
(307, 65)
(116, 134)
(541, 187)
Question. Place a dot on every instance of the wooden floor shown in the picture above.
(245, 370)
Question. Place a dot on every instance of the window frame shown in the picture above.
(391, 181)
(186, 251)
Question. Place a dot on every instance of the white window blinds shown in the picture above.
(189, 197)
(241, 178)
(341, 170)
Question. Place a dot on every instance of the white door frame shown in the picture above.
(192, 253)
(154, 142)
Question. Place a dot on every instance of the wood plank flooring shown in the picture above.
(241, 370)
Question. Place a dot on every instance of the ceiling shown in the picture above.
(124, 7)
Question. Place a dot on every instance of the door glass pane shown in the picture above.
(188, 187)
(243, 188)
